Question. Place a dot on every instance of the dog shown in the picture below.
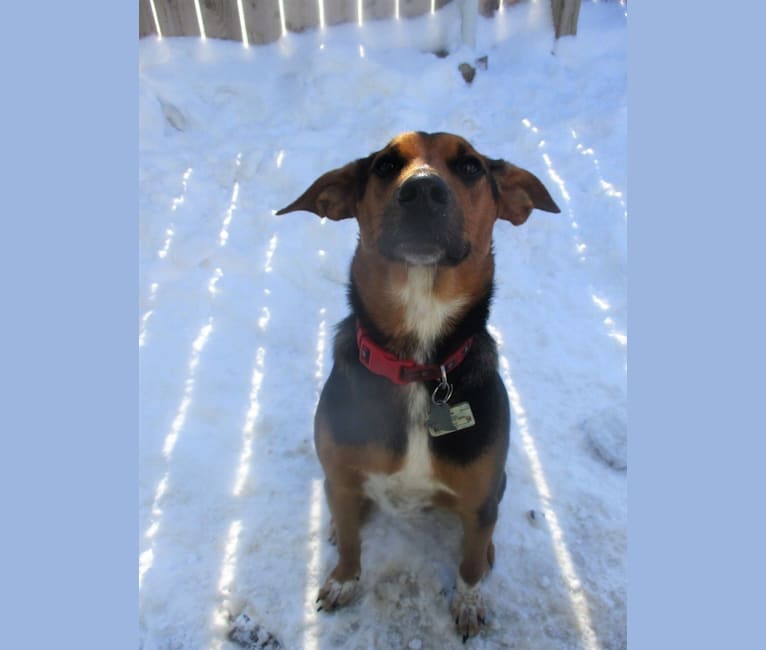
(414, 413)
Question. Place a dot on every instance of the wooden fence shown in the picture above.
(264, 21)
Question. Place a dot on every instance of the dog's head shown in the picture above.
(426, 199)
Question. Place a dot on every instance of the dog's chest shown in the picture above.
(413, 486)
(425, 315)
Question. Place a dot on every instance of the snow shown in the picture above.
(236, 315)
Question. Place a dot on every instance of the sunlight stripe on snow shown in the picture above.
(180, 419)
(177, 201)
(248, 430)
(621, 338)
(263, 321)
(146, 559)
(314, 545)
(226, 579)
(224, 234)
(144, 321)
(609, 189)
(601, 303)
(320, 348)
(211, 285)
(556, 178)
(145, 562)
(613, 333)
(321, 338)
(147, 314)
(270, 253)
(313, 548)
(230, 558)
(578, 602)
(169, 232)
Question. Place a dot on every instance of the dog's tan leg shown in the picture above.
(347, 506)
(467, 606)
(366, 510)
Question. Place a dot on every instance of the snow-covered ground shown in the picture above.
(236, 316)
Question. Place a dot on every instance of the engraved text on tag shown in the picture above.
(445, 419)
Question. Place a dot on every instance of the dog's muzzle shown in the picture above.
(422, 226)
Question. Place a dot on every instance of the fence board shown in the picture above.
(221, 19)
(302, 14)
(262, 20)
(145, 19)
(339, 11)
(177, 17)
(565, 15)
(377, 9)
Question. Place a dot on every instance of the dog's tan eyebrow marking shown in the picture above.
(409, 145)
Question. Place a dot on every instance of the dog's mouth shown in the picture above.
(420, 254)
(427, 253)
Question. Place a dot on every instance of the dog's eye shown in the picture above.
(386, 167)
(469, 167)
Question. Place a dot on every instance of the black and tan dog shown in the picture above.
(414, 412)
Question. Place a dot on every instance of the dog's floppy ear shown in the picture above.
(332, 195)
(518, 192)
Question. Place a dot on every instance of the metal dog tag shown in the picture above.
(439, 420)
(445, 419)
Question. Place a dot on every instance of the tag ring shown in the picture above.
(443, 385)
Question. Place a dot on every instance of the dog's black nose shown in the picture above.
(426, 190)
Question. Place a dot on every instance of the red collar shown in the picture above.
(381, 362)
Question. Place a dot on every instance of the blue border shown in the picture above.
(69, 468)
(696, 354)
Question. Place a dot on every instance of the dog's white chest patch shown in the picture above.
(424, 314)
(412, 487)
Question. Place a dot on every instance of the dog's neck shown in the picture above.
(417, 312)
(426, 317)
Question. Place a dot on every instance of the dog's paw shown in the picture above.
(467, 609)
(336, 593)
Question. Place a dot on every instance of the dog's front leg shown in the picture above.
(346, 506)
(467, 605)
